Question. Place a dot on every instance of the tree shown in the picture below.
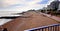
(55, 5)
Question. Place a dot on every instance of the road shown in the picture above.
(31, 20)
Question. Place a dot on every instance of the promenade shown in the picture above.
(51, 16)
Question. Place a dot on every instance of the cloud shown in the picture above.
(7, 3)
(13, 2)
(23, 5)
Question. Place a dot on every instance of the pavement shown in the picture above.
(51, 16)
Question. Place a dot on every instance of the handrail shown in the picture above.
(43, 27)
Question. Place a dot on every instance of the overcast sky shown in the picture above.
(23, 5)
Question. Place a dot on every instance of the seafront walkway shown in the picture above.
(51, 16)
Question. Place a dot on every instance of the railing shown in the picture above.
(54, 27)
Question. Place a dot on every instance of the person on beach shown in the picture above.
(5, 29)
(1, 28)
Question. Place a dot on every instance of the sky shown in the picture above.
(23, 5)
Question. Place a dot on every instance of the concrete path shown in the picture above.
(53, 17)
